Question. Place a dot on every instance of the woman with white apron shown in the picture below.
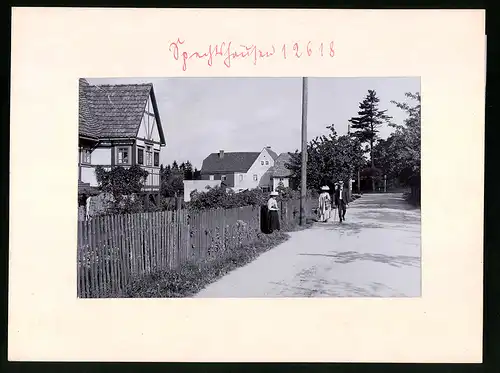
(324, 204)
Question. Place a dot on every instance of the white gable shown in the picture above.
(257, 175)
(149, 126)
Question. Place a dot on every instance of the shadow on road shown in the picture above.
(351, 256)
(310, 286)
(388, 201)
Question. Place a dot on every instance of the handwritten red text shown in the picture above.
(227, 52)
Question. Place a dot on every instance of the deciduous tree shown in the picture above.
(329, 158)
(409, 131)
(121, 181)
(399, 155)
(171, 180)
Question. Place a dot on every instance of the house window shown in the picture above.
(267, 163)
(123, 157)
(223, 177)
(255, 178)
(241, 177)
(156, 159)
(140, 156)
(149, 156)
(262, 163)
(85, 156)
(211, 177)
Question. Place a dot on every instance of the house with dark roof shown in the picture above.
(240, 170)
(280, 173)
(119, 125)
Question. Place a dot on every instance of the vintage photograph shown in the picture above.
(249, 187)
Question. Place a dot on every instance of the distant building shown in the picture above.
(199, 186)
(279, 173)
(119, 125)
(240, 170)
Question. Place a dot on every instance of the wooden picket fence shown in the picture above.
(116, 248)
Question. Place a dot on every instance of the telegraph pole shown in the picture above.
(303, 169)
(359, 182)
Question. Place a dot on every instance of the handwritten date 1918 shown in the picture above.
(228, 51)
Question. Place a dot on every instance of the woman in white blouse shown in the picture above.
(324, 204)
(272, 207)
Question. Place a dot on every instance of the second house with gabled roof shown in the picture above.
(119, 125)
(240, 170)
(280, 174)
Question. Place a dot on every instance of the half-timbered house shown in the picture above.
(119, 125)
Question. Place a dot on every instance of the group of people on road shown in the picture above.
(270, 220)
(340, 202)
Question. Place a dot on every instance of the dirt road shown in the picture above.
(374, 253)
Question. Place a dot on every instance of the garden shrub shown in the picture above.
(221, 197)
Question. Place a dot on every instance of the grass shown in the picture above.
(190, 278)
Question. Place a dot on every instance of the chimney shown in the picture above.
(268, 147)
(221, 154)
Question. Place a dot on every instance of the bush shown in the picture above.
(220, 197)
(191, 277)
(172, 203)
(121, 181)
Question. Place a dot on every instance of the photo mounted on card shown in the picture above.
(246, 195)
(179, 193)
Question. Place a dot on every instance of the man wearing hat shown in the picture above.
(324, 204)
(341, 200)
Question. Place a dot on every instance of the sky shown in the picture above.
(204, 115)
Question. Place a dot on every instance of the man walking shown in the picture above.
(341, 200)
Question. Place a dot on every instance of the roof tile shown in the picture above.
(118, 108)
(279, 169)
(230, 162)
(113, 111)
(86, 123)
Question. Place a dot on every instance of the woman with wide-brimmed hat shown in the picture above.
(324, 204)
(273, 216)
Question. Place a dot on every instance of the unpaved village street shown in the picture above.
(374, 253)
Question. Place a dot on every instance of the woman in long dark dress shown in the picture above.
(264, 219)
(273, 217)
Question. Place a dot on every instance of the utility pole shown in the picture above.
(350, 167)
(303, 169)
